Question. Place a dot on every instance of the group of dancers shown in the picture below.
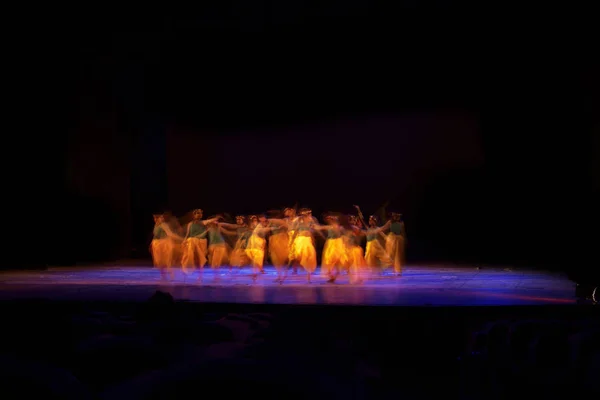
(288, 241)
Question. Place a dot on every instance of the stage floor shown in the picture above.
(418, 286)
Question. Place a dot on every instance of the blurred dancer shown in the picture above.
(356, 260)
(376, 256)
(256, 244)
(303, 247)
(173, 223)
(163, 246)
(334, 251)
(279, 247)
(395, 241)
(290, 217)
(195, 249)
(239, 258)
(218, 250)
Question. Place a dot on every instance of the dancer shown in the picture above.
(356, 260)
(334, 251)
(255, 250)
(195, 247)
(239, 258)
(279, 247)
(303, 246)
(256, 244)
(218, 250)
(163, 246)
(173, 223)
(290, 218)
(376, 256)
(395, 241)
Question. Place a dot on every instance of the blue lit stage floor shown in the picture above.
(418, 286)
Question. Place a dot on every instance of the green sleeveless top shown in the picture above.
(333, 233)
(304, 226)
(396, 228)
(353, 240)
(371, 235)
(243, 235)
(215, 237)
(196, 229)
(243, 232)
(159, 232)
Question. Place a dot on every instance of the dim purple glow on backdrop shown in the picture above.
(332, 164)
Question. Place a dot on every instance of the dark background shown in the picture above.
(480, 126)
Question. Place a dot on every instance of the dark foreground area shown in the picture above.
(162, 348)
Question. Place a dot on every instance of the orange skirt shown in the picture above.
(194, 249)
(305, 253)
(217, 255)
(279, 249)
(162, 252)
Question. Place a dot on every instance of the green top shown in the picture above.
(214, 236)
(243, 232)
(243, 235)
(396, 228)
(333, 233)
(303, 226)
(159, 232)
(372, 235)
(353, 240)
(196, 229)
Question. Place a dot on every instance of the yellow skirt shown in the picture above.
(256, 251)
(356, 260)
(239, 258)
(192, 248)
(394, 246)
(291, 245)
(376, 255)
(217, 255)
(334, 255)
(279, 249)
(162, 252)
(305, 253)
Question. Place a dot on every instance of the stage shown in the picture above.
(434, 285)
(63, 326)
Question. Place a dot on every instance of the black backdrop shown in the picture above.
(136, 83)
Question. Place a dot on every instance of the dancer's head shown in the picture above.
(289, 212)
(240, 220)
(352, 219)
(197, 214)
(332, 219)
(373, 221)
(396, 217)
(253, 220)
(159, 218)
(306, 212)
(262, 218)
